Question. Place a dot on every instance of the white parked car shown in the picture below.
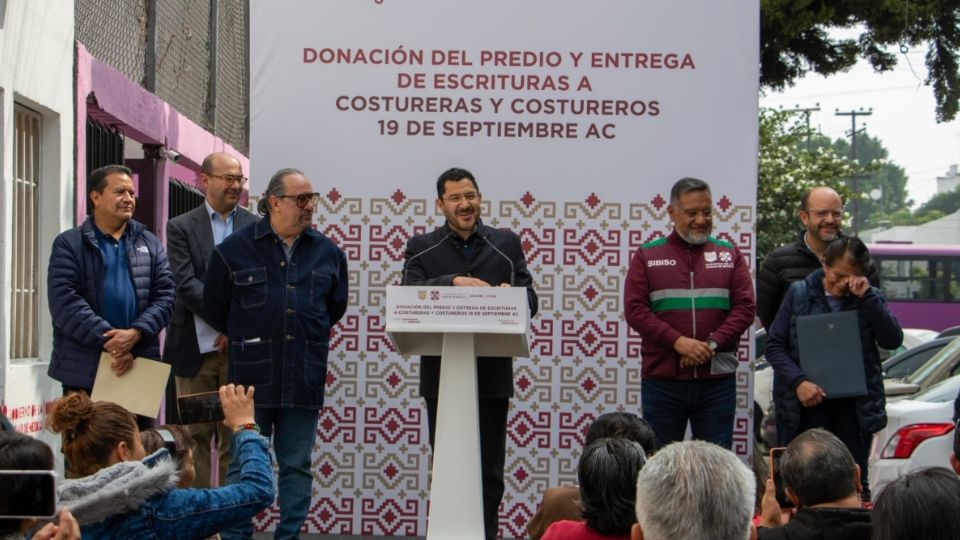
(919, 434)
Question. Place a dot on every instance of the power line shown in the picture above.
(806, 112)
(840, 93)
(853, 114)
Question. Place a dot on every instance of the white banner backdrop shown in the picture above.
(576, 118)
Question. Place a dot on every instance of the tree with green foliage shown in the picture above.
(795, 39)
(945, 203)
(881, 177)
(787, 169)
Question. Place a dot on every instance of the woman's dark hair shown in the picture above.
(623, 425)
(90, 431)
(924, 504)
(274, 187)
(608, 484)
(852, 248)
(19, 452)
(152, 441)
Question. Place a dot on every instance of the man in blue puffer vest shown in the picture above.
(109, 286)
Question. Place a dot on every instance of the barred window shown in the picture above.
(24, 298)
(920, 279)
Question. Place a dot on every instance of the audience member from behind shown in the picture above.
(608, 478)
(19, 452)
(123, 495)
(822, 481)
(176, 439)
(694, 490)
(923, 505)
(563, 503)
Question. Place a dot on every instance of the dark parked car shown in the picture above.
(953, 331)
(905, 363)
(940, 366)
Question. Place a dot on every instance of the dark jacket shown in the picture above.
(788, 263)
(822, 524)
(75, 289)
(277, 315)
(189, 246)
(446, 260)
(877, 326)
(675, 289)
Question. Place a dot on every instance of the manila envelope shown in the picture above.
(139, 390)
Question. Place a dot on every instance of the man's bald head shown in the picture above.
(821, 211)
(218, 159)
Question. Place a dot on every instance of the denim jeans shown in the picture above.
(294, 432)
(708, 404)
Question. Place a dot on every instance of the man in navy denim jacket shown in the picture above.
(275, 288)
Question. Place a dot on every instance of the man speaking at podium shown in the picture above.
(466, 253)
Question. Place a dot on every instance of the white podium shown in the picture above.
(459, 324)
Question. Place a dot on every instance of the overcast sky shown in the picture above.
(903, 116)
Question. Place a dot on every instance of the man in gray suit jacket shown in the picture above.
(197, 351)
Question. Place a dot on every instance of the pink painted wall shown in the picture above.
(142, 116)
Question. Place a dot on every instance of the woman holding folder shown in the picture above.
(801, 403)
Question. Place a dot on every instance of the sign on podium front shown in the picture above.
(418, 316)
(458, 324)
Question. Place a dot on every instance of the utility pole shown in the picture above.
(853, 114)
(806, 112)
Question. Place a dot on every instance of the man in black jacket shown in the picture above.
(823, 483)
(821, 211)
(466, 253)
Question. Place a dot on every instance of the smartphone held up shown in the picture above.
(28, 494)
(199, 408)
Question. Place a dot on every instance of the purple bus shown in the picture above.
(921, 283)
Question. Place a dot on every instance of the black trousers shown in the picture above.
(493, 449)
(839, 416)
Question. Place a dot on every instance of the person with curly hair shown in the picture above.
(117, 491)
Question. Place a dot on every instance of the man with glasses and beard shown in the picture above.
(690, 297)
(275, 288)
(466, 253)
(821, 212)
(196, 351)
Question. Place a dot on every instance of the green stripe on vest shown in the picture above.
(654, 243)
(721, 243)
(704, 302)
(704, 292)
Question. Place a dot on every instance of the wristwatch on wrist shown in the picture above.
(712, 344)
